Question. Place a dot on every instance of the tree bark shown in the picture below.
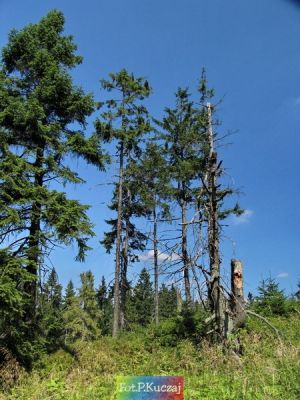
(156, 271)
(185, 257)
(116, 313)
(215, 294)
(124, 268)
(237, 290)
(179, 301)
(34, 238)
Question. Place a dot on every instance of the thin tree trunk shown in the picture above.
(156, 272)
(124, 268)
(34, 238)
(185, 257)
(215, 294)
(116, 314)
(197, 284)
(179, 301)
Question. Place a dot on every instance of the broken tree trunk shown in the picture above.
(237, 297)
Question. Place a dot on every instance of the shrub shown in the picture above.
(271, 299)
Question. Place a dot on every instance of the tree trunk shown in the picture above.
(34, 238)
(124, 268)
(116, 314)
(197, 284)
(179, 301)
(237, 290)
(156, 272)
(185, 257)
(215, 294)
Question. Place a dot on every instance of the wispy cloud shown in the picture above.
(162, 257)
(242, 219)
(282, 275)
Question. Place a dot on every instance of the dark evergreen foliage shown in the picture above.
(167, 302)
(42, 120)
(271, 300)
(42, 123)
(50, 308)
(142, 300)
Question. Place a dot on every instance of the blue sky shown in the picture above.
(251, 51)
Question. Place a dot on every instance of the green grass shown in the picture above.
(268, 369)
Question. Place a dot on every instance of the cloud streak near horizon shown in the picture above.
(282, 275)
(244, 218)
(162, 257)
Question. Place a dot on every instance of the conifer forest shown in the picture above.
(165, 297)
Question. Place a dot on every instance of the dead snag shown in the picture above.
(237, 298)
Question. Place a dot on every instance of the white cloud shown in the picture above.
(282, 275)
(162, 257)
(242, 219)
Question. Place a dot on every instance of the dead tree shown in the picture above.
(228, 311)
(184, 248)
(216, 295)
(238, 313)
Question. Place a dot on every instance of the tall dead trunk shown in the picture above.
(185, 257)
(237, 290)
(215, 294)
(116, 313)
(156, 272)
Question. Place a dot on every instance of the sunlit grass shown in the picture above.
(267, 369)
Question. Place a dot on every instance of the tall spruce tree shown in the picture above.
(124, 120)
(133, 240)
(183, 144)
(42, 117)
(153, 191)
